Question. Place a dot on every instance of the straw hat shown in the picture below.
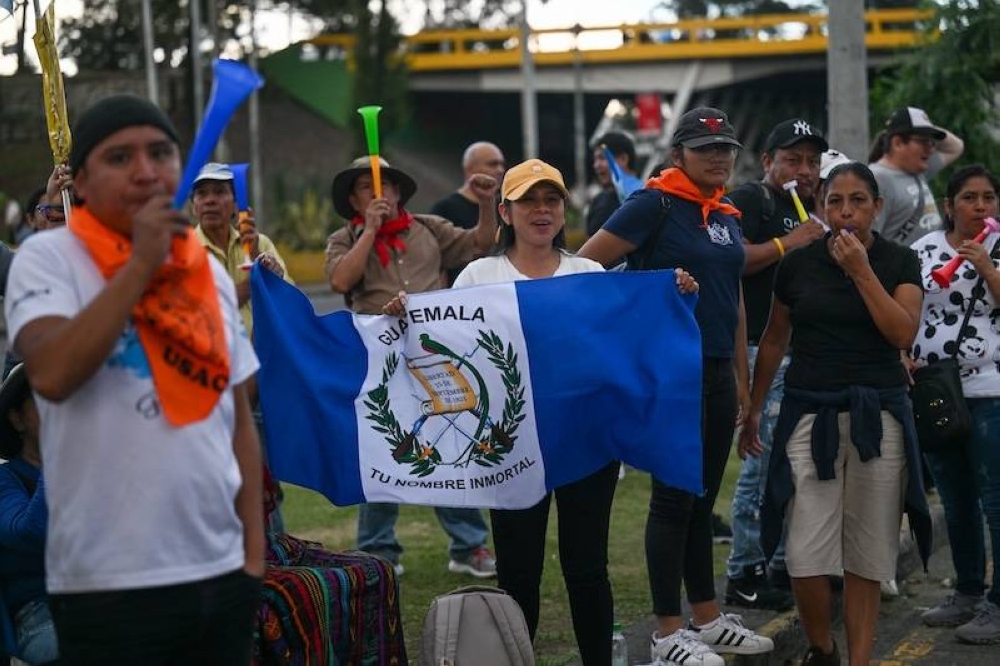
(340, 190)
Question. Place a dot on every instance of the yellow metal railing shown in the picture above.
(747, 37)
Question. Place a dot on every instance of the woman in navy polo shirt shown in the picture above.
(681, 220)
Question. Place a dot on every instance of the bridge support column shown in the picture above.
(847, 84)
(529, 104)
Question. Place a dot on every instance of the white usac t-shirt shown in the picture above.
(133, 502)
(491, 270)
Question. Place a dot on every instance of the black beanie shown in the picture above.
(108, 116)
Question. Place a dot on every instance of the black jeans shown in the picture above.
(584, 517)
(679, 527)
(209, 623)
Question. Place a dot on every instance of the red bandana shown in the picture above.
(387, 236)
(674, 181)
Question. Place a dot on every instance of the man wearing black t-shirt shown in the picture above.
(461, 207)
(771, 227)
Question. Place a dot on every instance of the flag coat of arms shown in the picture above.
(488, 396)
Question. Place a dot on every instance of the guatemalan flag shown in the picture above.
(488, 396)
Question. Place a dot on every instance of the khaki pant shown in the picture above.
(851, 522)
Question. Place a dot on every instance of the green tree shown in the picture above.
(108, 35)
(891, 4)
(463, 14)
(380, 73)
(953, 76)
(716, 8)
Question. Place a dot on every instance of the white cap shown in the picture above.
(214, 171)
(830, 159)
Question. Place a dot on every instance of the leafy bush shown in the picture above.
(305, 216)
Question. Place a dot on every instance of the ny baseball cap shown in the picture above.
(704, 126)
(790, 132)
(911, 120)
(521, 178)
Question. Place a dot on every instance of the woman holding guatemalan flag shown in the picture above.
(680, 218)
(530, 244)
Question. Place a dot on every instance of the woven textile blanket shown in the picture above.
(322, 608)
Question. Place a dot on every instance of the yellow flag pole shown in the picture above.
(53, 93)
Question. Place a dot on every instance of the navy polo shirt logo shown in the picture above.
(719, 234)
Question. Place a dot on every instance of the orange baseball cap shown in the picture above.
(521, 178)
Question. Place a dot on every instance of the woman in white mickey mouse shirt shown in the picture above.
(967, 477)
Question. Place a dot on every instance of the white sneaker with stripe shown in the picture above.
(682, 648)
(728, 635)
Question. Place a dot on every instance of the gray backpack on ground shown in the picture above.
(475, 626)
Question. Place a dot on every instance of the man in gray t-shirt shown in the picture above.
(909, 151)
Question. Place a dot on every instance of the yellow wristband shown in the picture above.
(781, 246)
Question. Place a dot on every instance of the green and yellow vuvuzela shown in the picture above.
(370, 116)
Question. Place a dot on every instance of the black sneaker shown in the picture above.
(816, 657)
(779, 578)
(754, 591)
(721, 532)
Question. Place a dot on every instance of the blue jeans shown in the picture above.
(36, 634)
(968, 480)
(749, 493)
(377, 530)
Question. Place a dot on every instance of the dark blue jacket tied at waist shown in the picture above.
(865, 406)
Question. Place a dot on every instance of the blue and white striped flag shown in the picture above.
(7, 5)
(488, 396)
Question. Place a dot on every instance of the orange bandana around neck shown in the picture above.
(178, 319)
(674, 181)
(387, 237)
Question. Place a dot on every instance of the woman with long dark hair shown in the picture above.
(529, 244)
(967, 476)
(681, 219)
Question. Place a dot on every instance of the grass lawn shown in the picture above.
(310, 516)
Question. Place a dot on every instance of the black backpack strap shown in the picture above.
(639, 260)
(767, 203)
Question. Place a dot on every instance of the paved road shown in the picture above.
(323, 298)
(902, 640)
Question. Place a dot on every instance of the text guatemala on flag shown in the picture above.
(488, 396)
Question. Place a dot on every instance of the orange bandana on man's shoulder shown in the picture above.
(178, 319)
(675, 181)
